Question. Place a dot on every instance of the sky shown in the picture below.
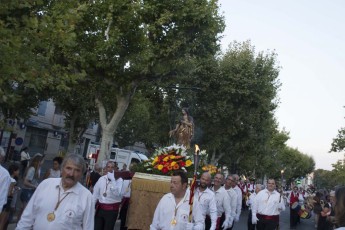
(309, 38)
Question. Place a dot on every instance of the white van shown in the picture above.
(120, 156)
(124, 156)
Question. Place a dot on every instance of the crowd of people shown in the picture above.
(58, 199)
(219, 206)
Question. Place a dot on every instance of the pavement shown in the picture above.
(306, 224)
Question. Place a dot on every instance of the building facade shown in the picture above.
(44, 133)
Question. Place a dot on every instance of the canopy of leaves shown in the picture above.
(338, 143)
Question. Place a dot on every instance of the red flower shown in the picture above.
(165, 170)
(182, 164)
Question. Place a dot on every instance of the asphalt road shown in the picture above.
(306, 224)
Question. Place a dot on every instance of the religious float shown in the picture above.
(152, 181)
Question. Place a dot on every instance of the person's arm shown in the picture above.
(213, 212)
(233, 199)
(238, 206)
(227, 210)
(28, 217)
(89, 213)
(255, 208)
(281, 202)
(156, 217)
(96, 191)
(5, 182)
(29, 177)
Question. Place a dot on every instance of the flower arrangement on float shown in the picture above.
(168, 159)
(212, 169)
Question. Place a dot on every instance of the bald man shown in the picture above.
(205, 200)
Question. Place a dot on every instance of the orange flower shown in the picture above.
(170, 167)
(176, 167)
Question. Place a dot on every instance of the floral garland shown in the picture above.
(168, 159)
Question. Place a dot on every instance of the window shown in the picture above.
(58, 110)
(42, 108)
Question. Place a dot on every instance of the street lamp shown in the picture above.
(282, 174)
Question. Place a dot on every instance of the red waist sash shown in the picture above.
(109, 207)
(265, 217)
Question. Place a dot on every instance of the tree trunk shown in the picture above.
(108, 129)
(71, 140)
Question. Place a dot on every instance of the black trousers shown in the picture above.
(222, 219)
(105, 220)
(249, 221)
(267, 224)
(293, 218)
(123, 215)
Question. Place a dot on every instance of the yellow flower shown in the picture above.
(173, 163)
(166, 159)
(172, 157)
(188, 163)
(160, 167)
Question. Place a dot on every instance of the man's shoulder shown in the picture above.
(168, 196)
(83, 190)
(209, 191)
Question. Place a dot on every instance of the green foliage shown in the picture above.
(338, 143)
(330, 179)
(146, 120)
(236, 107)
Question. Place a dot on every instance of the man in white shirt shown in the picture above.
(233, 197)
(234, 185)
(225, 219)
(206, 201)
(5, 181)
(107, 196)
(266, 207)
(61, 203)
(258, 188)
(172, 212)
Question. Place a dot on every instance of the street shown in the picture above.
(306, 224)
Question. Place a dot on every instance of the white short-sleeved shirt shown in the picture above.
(75, 212)
(24, 156)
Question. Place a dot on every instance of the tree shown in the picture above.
(338, 143)
(119, 44)
(25, 73)
(240, 124)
